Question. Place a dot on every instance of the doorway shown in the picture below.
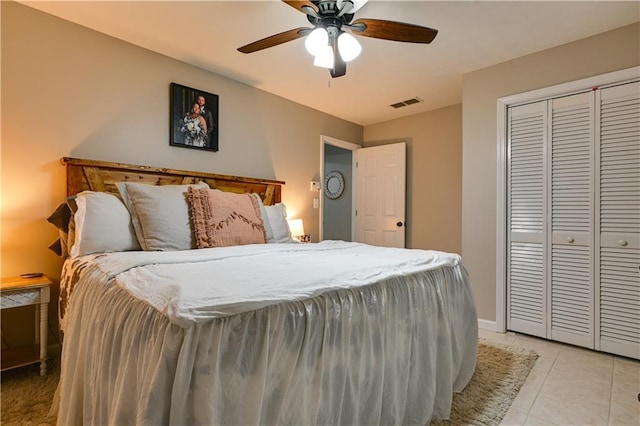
(337, 214)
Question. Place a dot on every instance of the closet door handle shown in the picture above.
(570, 239)
(623, 243)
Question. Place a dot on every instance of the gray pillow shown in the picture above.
(102, 224)
(265, 219)
(160, 215)
(60, 219)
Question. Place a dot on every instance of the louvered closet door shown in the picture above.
(618, 287)
(572, 200)
(526, 283)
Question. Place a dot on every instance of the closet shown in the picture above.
(573, 218)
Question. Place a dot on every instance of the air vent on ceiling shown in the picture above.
(407, 102)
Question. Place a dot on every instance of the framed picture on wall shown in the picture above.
(194, 118)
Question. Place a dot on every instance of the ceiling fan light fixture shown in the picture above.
(348, 47)
(331, 41)
(324, 59)
(316, 41)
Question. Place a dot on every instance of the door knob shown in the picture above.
(623, 243)
(399, 224)
(570, 239)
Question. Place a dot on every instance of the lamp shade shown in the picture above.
(348, 47)
(296, 227)
(316, 41)
(324, 59)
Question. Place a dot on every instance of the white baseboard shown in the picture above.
(487, 325)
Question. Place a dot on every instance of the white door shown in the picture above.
(526, 224)
(618, 269)
(380, 198)
(570, 317)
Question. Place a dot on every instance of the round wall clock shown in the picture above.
(333, 185)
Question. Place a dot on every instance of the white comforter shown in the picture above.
(248, 277)
(329, 333)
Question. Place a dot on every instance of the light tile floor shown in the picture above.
(573, 386)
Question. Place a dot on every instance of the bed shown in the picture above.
(271, 333)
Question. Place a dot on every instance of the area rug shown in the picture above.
(25, 396)
(501, 371)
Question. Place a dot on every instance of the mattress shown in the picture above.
(327, 333)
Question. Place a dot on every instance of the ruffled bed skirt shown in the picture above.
(387, 353)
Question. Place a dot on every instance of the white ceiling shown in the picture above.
(472, 35)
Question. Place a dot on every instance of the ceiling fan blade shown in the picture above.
(303, 6)
(275, 40)
(396, 31)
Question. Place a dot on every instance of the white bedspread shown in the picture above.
(188, 292)
(329, 333)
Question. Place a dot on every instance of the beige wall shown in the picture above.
(434, 174)
(70, 91)
(607, 52)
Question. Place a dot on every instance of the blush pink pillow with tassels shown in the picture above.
(222, 219)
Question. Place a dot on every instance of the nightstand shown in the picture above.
(17, 291)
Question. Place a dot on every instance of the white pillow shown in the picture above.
(102, 224)
(160, 215)
(277, 218)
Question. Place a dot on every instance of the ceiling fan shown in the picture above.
(331, 40)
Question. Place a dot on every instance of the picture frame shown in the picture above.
(189, 126)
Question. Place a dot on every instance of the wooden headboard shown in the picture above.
(101, 176)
